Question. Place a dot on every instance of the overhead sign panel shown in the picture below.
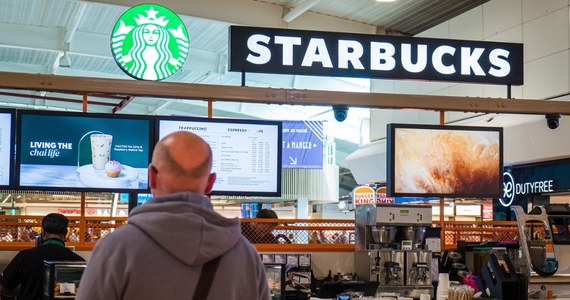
(283, 51)
(302, 144)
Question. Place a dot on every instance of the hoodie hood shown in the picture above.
(187, 227)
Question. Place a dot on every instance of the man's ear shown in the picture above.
(210, 184)
(151, 177)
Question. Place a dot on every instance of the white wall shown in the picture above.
(543, 29)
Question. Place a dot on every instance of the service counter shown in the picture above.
(328, 254)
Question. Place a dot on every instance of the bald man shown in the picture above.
(162, 251)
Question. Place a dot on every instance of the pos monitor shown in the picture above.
(444, 161)
(246, 153)
(83, 151)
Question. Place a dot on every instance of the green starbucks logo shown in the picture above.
(149, 42)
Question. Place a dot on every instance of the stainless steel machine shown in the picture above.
(389, 247)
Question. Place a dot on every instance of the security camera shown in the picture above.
(340, 112)
(552, 120)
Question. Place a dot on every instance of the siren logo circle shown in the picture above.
(149, 42)
(508, 190)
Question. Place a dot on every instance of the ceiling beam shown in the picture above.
(31, 37)
(299, 10)
(71, 27)
(61, 99)
(122, 104)
(77, 85)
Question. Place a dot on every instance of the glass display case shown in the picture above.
(61, 279)
(276, 280)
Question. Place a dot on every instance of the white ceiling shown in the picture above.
(70, 37)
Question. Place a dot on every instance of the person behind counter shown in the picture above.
(168, 245)
(26, 270)
(261, 233)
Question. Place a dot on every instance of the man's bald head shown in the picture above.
(183, 161)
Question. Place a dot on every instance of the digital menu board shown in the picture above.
(6, 146)
(246, 153)
(444, 161)
(85, 152)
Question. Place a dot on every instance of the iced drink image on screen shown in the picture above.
(100, 150)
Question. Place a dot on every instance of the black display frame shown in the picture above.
(250, 193)
(391, 167)
(18, 153)
(240, 44)
(12, 148)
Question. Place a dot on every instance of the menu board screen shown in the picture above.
(77, 151)
(6, 146)
(246, 153)
(444, 161)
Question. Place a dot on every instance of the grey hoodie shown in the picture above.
(181, 233)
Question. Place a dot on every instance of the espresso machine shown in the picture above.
(389, 266)
(388, 247)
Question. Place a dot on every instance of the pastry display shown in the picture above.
(113, 168)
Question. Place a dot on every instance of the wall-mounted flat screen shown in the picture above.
(444, 161)
(246, 153)
(7, 118)
(83, 152)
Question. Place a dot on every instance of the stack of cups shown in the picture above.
(442, 287)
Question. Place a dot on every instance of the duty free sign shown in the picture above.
(299, 52)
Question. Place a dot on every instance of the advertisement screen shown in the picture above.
(90, 152)
(6, 146)
(444, 161)
(246, 153)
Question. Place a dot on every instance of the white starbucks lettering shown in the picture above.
(259, 53)
(470, 61)
(350, 51)
(421, 61)
(444, 59)
(501, 66)
(288, 43)
(317, 52)
(437, 59)
(382, 56)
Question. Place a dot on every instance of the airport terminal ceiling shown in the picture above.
(71, 38)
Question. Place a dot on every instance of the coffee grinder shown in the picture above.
(389, 247)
